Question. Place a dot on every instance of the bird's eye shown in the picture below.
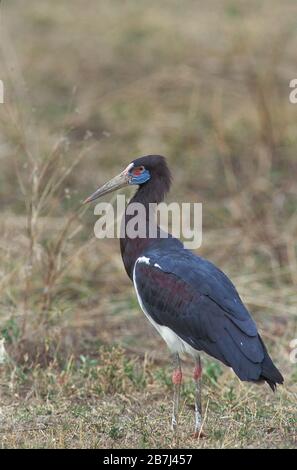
(138, 170)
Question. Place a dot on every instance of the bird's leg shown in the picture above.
(176, 380)
(198, 406)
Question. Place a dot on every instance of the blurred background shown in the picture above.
(89, 86)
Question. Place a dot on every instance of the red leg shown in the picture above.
(177, 377)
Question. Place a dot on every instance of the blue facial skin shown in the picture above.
(140, 179)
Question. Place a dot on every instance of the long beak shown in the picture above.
(115, 183)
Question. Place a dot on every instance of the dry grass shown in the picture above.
(115, 400)
(85, 92)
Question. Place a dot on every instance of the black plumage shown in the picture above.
(199, 303)
(192, 303)
(190, 295)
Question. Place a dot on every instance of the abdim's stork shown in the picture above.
(193, 305)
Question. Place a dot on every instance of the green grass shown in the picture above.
(102, 403)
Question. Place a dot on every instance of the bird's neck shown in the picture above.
(139, 217)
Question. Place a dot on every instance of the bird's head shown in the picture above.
(141, 172)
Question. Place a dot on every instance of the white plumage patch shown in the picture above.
(173, 341)
(157, 266)
(143, 259)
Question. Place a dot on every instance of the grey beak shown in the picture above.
(117, 182)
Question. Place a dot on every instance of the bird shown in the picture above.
(192, 304)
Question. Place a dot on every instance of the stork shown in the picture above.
(192, 303)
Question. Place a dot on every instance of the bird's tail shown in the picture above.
(269, 372)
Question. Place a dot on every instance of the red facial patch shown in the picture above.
(137, 171)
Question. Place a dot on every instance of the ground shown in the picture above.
(86, 91)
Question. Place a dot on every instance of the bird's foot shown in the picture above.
(174, 424)
(198, 423)
(199, 434)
